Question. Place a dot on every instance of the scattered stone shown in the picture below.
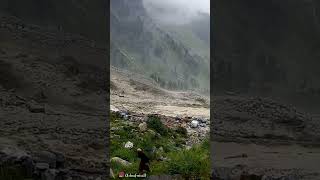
(194, 123)
(34, 107)
(60, 160)
(114, 128)
(128, 145)
(161, 149)
(11, 152)
(42, 166)
(120, 161)
(152, 133)
(46, 157)
(114, 109)
(112, 174)
(50, 174)
(143, 127)
(184, 125)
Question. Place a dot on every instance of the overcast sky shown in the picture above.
(176, 11)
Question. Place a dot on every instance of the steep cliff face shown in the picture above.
(140, 44)
(81, 17)
(267, 46)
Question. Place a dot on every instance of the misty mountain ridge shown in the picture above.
(169, 54)
(268, 48)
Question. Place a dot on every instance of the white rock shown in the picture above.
(114, 109)
(203, 125)
(194, 123)
(128, 145)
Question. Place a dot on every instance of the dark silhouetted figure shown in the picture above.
(144, 163)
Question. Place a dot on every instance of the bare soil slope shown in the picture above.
(137, 94)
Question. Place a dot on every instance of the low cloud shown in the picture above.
(176, 11)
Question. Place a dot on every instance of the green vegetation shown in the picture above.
(191, 163)
(155, 123)
(165, 147)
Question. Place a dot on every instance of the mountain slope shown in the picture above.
(139, 44)
(81, 17)
(267, 47)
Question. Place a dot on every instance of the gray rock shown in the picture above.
(13, 152)
(34, 107)
(143, 127)
(161, 149)
(60, 160)
(120, 161)
(123, 114)
(47, 157)
(42, 166)
(49, 174)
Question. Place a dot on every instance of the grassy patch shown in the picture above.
(190, 163)
(165, 148)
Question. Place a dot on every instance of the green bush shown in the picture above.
(155, 123)
(194, 162)
(183, 131)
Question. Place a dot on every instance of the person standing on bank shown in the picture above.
(144, 162)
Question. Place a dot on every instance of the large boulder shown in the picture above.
(120, 161)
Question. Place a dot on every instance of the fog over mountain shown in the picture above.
(178, 11)
(166, 41)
